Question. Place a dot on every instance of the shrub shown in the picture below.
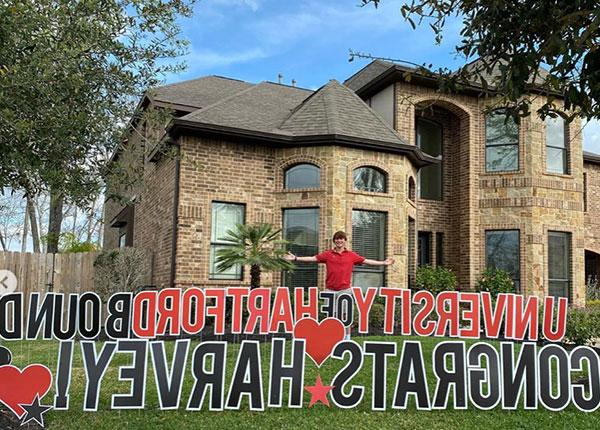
(495, 281)
(592, 289)
(119, 270)
(583, 326)
(435, 279)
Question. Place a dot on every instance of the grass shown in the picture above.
(319, 416)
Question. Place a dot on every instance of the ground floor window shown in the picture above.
(424, 251)
(559, 264)
(224, 217)
(369, 232)
(301, 229)
(502, 251)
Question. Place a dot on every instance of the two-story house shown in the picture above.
(410, 173)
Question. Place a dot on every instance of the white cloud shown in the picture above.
(253, 5)
(206, 58)
(591, 136)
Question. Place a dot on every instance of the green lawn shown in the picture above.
(319, 416)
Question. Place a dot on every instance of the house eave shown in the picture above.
(179, 127)
(398, 74)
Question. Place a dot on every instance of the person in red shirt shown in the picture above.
(339, 262)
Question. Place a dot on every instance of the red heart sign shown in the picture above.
(320, 337)
(20, 387)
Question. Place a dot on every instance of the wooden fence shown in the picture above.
(60, 273)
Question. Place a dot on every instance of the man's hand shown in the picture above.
(388, 261)
(290, 257)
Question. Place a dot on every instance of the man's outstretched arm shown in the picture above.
(291, 257)
(386, 262)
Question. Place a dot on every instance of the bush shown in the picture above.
(435, 279)
(495, 281)
(583, 326)
(593, 305)
(119, 270)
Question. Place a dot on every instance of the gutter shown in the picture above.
(396, 73)
(178, 127)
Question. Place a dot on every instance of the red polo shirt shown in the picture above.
(339, 267)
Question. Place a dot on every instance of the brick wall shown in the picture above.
(218, 170)
(530, 199)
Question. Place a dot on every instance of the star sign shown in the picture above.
(35, 411)
(318, 392)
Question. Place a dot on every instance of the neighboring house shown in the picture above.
(409, 173)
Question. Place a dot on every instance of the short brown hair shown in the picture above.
(340, 235)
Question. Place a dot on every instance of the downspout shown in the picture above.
(175, 219)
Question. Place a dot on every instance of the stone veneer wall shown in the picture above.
(592, 213)
(529, 199)
(218, 170)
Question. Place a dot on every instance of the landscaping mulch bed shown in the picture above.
(9, 421)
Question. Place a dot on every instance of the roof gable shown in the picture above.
(335, 109)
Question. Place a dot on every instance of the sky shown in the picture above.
(309, 41)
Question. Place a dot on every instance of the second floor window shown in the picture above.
(429, 139)
(501, 143)
(556, 147)
(302, 176)
(369, 179)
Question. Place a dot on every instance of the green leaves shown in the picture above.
(513, 40)
(256, 245)
(70, 76)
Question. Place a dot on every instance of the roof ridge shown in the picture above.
(303, 105)
(199, 79)
(374, 113)
(377, 60)
(220, 102)
(330, 112)
(289, 86)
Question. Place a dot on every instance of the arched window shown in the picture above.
(412, 189)
(302, 176)
(429, 139)
(369, 179)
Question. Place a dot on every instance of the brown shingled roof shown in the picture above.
(335, 109)
(198, 93)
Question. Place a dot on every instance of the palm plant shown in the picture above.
(254, 245)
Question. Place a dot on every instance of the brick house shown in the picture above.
(423, 177)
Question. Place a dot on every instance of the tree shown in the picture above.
(70, 73)
(255, 245)
(513, 40)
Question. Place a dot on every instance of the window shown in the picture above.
(123, 240)
(439, 249)
(502, 251)
(429, 139)
(559, 263)
(302, 176)
(411, 189)
(556, 148)
(301, 228)
(369, 232)
(501, 143)
(369, 179)
(224, 217)
(424, 252)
